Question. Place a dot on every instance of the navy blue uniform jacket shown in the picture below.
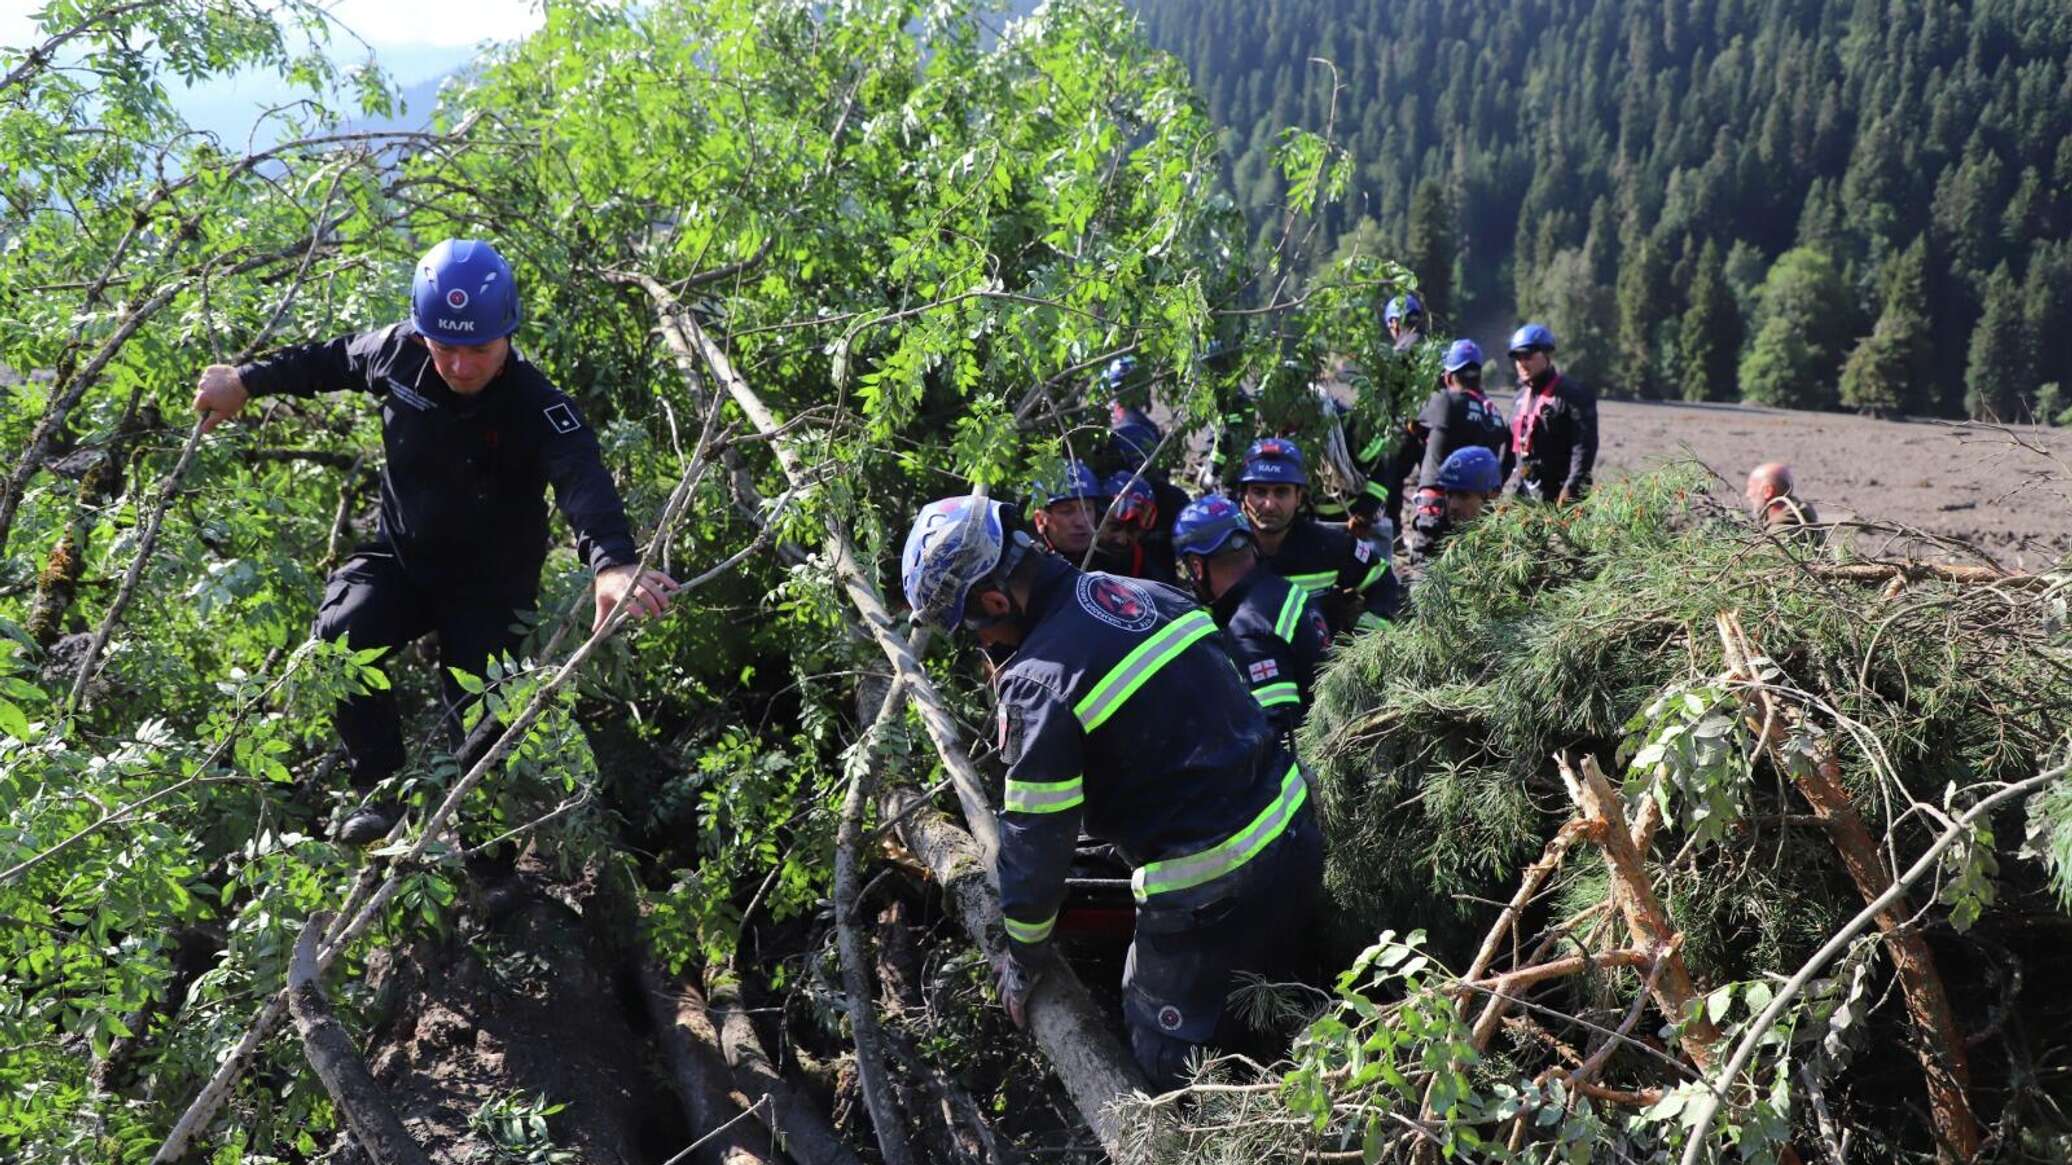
(464, 480)
(1278, 638)
(1121, 712)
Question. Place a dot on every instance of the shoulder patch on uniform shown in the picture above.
(1363, 550)
(1118, 602)
(561, 417)
(1262, 670)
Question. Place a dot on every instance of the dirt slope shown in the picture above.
(1974, 483)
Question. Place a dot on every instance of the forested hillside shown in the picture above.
(1812, 203)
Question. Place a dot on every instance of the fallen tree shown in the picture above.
(1582, 776)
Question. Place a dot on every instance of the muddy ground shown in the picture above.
(1968, 482)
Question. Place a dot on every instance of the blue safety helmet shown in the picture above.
(1207, 526)
(956, 544)
(1471, 469)
(1462, 354)
(1403, 305)
(1274, 459)
(1132, 436)
(1133, 501)
(1077, 482)
(1531, 338)
(1118, 372)
(464, 293)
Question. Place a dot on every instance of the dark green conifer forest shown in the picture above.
(1885, 185)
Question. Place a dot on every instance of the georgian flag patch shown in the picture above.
(1363, 550)
(562, 418)
(1263, 670)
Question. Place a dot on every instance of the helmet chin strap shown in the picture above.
(1019, 545)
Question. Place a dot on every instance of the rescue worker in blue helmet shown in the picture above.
(1119, 712)
(1405, 319)
(1065, 511)
(1128, 519)
(472, 435)
(1134, 443)
(1349, 576)
(1553, 425)
(1458, 415)
(1277, 634)
(1452, 497)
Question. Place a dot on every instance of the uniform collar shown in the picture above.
(1230, 600)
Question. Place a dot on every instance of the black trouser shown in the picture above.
(1190, 945)
(372, 601)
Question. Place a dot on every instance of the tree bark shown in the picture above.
(338, 1064)
(806, 1132)
(699, 1074)
(1646, 921)
(1072, 1033)
(1944, 1064)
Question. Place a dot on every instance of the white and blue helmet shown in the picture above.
(956, 544)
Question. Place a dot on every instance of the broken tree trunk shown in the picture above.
(690, 1046)
(692, 346)
(1646, 921)
(804, 1129)
(887, 1120)
(338, 1064)
(1816, 773)
(1071, 1031)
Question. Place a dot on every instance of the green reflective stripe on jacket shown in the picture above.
(1029, 932)
(1313, 583)
(1274, 695)
(1374, 576)
(1284, 624)
(1378, 490)
(1140, 665)
(1181, 873)
(1374, 448)
(1368, 621)
(1044, 796)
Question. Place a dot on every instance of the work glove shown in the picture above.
(1016, 982)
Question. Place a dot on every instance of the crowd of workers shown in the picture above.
(1151, 654)
(1158, 719)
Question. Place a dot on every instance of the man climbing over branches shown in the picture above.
(472, 435)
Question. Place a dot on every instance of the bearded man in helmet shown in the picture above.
(472, 435)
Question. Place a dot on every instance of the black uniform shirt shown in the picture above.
(464, 480)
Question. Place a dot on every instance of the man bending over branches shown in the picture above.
(472, 434)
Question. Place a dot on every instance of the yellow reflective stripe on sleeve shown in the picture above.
(1030, 932)
(1378, 490)
(1044, 796)
(1143, 662)
(1181, 873)
(1291, 614)
(1368, 621)
(1374, 576)
(1374, 448)
(1313, 583)
(1274, 695)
